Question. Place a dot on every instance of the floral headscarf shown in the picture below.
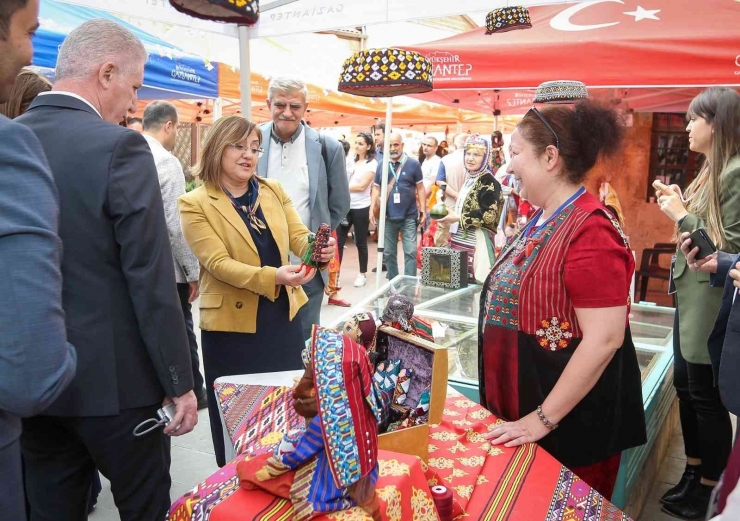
(476, 141)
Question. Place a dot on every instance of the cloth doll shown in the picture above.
(335, 459)
(399, 314)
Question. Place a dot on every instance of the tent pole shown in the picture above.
(384, 190)
(244, 71)
(217, 109)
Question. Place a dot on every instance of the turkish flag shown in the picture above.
(607, 44)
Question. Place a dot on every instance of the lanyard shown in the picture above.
(531, 228)
(393, 170)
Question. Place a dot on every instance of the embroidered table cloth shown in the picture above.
(490, 483)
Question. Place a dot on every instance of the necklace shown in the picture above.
(532, 228)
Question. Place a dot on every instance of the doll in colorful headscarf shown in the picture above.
(399, 314)
(335, 459)
(478, 210)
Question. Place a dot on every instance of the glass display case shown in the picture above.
(454, 318)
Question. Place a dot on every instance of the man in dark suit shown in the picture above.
(36, 362)
(122, 309)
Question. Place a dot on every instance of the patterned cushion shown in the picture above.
(386, 374)
(403, 382)
(256, 416)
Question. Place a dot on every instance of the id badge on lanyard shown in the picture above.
(396, 198)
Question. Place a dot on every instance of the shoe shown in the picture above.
(202, 401)
(361, 280)
(688, 481)
(694, 505)
(339, 302)
(375, 269)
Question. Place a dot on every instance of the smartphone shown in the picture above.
(701, 238)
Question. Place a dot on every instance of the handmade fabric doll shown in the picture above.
(335, 459)
(361, 328)
(399, 314)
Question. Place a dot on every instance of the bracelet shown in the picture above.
(547, 423)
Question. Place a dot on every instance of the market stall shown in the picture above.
(454, 318)
(646, 58)
(170, 73)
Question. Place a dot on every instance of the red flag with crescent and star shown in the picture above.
(661, 51)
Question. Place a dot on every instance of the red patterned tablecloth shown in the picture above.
(488, 483)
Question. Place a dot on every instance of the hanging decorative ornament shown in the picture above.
(508, 19)
(242, 12)
(386, 72)
(560, 91)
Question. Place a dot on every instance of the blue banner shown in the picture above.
(170, 73)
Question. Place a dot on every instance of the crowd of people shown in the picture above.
(96, 340)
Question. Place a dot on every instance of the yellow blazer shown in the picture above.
(231, 279)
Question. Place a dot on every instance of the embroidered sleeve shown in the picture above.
(307, 447)
(483, 206)
(598, 265)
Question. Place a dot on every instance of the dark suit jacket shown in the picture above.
(36, 362)
(724, 341)
(122, 309)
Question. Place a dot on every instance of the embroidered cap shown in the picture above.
(560, 91)
(243, 12)
(508, 19)
(347, 406)
(386, 72)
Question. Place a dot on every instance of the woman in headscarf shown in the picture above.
(477, 213)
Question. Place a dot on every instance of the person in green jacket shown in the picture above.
(711, 201)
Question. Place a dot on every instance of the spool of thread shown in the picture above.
(442, 497)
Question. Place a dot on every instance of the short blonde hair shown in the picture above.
(231, 129)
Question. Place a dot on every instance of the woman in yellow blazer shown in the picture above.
(242, 228)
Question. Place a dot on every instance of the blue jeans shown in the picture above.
(407, 227)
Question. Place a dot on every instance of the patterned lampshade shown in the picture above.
(507, 19)
(560, 91)
(242, 12)
(386, 72)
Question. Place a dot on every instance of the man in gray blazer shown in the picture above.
(36, 362)
(160, 131)
(311, 168)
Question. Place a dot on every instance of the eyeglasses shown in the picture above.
(542, 118)
(241, 148)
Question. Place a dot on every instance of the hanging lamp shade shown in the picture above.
(508, 19)
(242, 12)
(381, 73)
(560, 91)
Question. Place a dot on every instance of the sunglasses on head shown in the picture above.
(542, 118)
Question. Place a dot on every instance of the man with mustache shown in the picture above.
(312, 170)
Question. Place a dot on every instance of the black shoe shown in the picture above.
(694, 505)
(689, 480)
(375, 269)
(202, 401)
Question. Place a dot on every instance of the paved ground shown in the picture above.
(192, 454)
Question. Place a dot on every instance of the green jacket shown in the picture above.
(698, 302)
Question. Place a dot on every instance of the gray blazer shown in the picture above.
(36, 362)
(172, 186)
(327, 181)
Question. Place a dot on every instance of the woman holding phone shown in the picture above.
(712, 202)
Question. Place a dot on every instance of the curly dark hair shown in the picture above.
(589, 130)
